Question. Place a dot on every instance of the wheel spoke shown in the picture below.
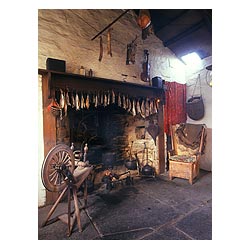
(55, 182)
(53, 177)
(52, 173)
(64, 156)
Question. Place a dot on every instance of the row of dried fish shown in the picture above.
(142, 106)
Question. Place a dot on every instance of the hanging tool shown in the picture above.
(110, 25)
(101, 49)
(109, 42)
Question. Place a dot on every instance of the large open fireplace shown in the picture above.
(115, 119)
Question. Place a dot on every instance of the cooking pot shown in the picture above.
(108, 159)
(147, 170)
(131, 164)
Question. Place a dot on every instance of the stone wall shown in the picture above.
(66, 35)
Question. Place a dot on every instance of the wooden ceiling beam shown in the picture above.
(183, 34)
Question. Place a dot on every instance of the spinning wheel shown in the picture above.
(59, 175)
(56, 165)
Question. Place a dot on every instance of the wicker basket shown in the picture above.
(195, 108)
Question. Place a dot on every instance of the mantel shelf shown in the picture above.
(81, 83)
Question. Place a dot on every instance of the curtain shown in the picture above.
(175, 108)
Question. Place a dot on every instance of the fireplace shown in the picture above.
(115, 119)
(112, 131)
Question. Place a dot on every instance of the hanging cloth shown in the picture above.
(175, 108)
(195, 105)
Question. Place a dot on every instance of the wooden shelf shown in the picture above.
(78, 82)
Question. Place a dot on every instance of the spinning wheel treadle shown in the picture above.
(59, 160)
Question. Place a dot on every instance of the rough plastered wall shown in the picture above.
(206, 91)
(66, 35)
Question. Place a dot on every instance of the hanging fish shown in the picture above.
(78, 104)
(67, 98)
(143, 108)
(113, 96)
(62, 99)
(157, 105)
(108, 98)
(119, 100)
(101, 99)
(138, 108)
(127, 102)
(96, 100)
(65, 108)
(124, 101)
(129, 105)
(133, 108)
(73, 103)
(82, 101)
(154, 107)
(87, 105)
(105, 101)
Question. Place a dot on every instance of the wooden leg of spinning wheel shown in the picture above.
(85, 193)
(69, 212)
(77, 210)
(54, 206)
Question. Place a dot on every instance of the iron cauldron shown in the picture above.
(131, 164)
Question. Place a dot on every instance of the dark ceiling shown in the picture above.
(184, 31)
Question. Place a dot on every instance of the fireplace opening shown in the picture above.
(113, 133)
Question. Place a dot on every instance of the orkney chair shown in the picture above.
(188, 143)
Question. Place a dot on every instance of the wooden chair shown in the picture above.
(184, 161)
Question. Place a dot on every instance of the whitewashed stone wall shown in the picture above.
(66, 35)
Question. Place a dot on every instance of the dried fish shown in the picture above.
(77, 102)
(101, 99)
(119, 100)
(124, 101)
(62, 99)
(157, 105)
(133, 108)
(87, 105)
(65, 108)
(108, 98)
(143, 108)
(129, 105)
(96, 100)
(67, 98)
(154, 107)
(113, 96)
(73, 103)
(138, 108)
(82, 101)
(105, 102)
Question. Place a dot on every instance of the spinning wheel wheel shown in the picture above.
(58, 162)
(59, 175)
